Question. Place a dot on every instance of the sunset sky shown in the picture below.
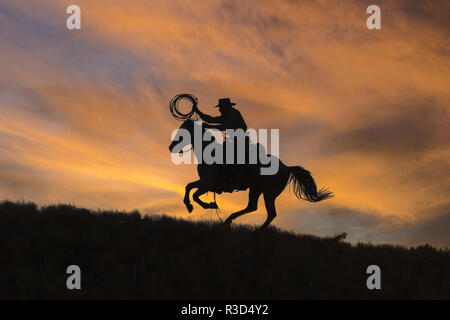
(84, 114)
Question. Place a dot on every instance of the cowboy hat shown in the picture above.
(224, 102)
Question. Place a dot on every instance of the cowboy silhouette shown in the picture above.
(230, 118)
(213, 176)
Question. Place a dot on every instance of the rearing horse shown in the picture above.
(270, 186)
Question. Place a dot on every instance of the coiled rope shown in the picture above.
(177, 114)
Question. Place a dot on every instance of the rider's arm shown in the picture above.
(208, 118)
(227, 124)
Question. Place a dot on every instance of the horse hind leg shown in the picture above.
(253, 197)
(269, 200)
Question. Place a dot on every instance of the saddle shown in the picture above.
(236, 176)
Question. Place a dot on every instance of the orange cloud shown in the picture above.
(366, 111)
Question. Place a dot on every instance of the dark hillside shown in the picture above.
(128, 256)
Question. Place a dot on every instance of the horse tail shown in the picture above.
(305, 187)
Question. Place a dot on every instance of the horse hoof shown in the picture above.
(189, 207)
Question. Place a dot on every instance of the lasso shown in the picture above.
(174, 106)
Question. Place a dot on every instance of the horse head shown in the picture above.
(186, 129)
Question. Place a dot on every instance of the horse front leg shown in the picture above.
(204, 205)
(187, 201)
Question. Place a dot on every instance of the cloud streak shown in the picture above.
(84, 114)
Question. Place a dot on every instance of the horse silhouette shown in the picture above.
(271, 186)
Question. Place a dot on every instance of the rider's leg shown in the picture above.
(225, 178)
(241, 177)
(230, 182)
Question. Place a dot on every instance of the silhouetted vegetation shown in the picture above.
(125, 255)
